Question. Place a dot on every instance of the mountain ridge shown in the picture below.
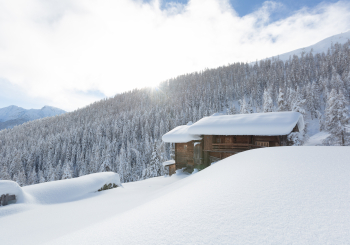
(319, 47)
(13, 115)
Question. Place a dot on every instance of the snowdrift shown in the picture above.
(61, 190)
(12, 188)
(282, 195)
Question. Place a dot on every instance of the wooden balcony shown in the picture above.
(234, 147)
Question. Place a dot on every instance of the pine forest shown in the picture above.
(123, 133)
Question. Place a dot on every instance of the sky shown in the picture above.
(70, 53)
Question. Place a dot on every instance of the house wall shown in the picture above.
(172, 169)
(184, 154)
(217, 147)
(222, 146)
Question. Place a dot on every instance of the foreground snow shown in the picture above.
(58, 191)
(282, 195)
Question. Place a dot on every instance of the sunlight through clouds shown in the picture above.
(61, 50)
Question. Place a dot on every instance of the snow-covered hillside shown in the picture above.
(14, 115)
(319, 47)
(282, 195)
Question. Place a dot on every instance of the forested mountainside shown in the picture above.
(123, 133)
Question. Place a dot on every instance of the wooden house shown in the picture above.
(219, 136)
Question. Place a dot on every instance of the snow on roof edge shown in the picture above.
(180, 134)
(300, 123)
(263, 124)
(259, 124)
(169, 162)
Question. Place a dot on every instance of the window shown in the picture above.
(218, 140)
(262, 143)
(197, 154)
(185, 147)
(228, 140)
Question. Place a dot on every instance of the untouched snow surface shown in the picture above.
(58, 191)
(272, 123)
(319, 47)
(12, 188)
(278, 195)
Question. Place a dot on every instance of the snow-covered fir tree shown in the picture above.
(336, 119)
(268, 103)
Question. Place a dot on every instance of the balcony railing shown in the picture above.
(229, 146)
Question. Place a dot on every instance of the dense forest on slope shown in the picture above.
(123, 133)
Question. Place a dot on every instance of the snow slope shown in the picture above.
(15, 115)
(280, 195)
(58, 208)
(319, 47)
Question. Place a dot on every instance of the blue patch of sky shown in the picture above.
(244, 7)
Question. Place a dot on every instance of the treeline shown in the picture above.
(123, 133)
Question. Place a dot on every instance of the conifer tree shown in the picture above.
(32, 178)
(281, 103)
(336, 119)
(67, 172)
(41, 177)
(268, 103)
(4, 174)
(21, 178)
(244, 107)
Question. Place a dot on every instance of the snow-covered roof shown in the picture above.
(180, 134)
(169, 162)
(271, 123)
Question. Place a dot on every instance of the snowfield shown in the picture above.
(282, 195)
(319, 47)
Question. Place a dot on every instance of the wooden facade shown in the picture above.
(172, 169)
(213, 148)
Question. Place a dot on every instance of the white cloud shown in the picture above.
(54, 48)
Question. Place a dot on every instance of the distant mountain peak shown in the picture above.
(13, 115)
(319, 47)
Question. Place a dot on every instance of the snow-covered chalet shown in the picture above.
(219, 136)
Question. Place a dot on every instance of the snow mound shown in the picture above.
(12, 188)
(279, 195)
(69, 189)
(180, 134)
(272, 123)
